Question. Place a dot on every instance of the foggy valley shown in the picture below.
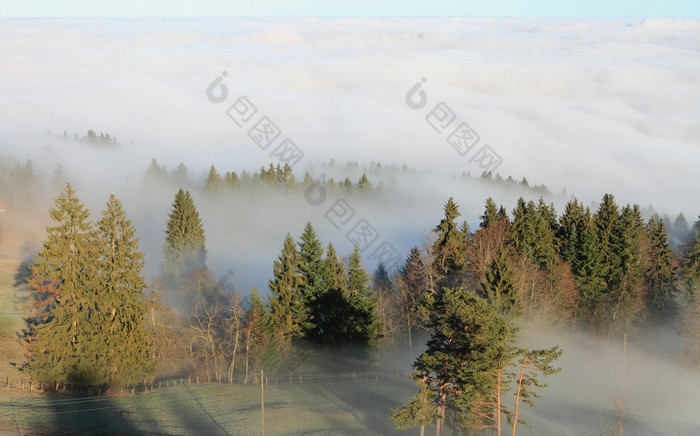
(497, 192)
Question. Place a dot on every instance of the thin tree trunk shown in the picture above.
(422, 430)
(233, 358)
(498, 403)
(517, 395)
(247, 350)
(441, 411)
(408, 323)
(153, 321)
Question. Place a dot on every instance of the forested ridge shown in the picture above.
(94, 319)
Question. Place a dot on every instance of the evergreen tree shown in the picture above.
(125, 353)
(288, 311)
(499, 286)
(659, 276)
(680, 232)
(214, 182)
(156, 173)
(490, 215)
(606, 221)
(311, 271)
(334, 273)
(523, 229)
(544, 244)
(572, 226)
(365, 328)
(449, 250)
(418, 412)
(625, 275)
(691, 267)
(184, 250)
(179, 175)
(465, 364)
(330, 308)
(363, 184)
(63, 336)
(587, 267)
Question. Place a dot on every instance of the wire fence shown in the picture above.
(87, 393)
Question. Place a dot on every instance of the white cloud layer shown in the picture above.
(590, 105)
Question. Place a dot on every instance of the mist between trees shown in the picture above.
(92, 319)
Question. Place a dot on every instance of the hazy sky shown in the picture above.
(413, 8)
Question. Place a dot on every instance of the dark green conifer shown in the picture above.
(124, 352)
(63, 333)
(288, 309)
(184, 249)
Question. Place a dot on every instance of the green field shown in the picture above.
(358, 407)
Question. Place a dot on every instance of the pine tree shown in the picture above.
(606, 220)
(544, 244)
(449, 250)
(587, 267)
(125, 352)
(184, 250)
(691, 267)
(572, 226)
(288, 310)
(365, 328)
(465, 364)
(418, 412)
(213, 182)
(659, 276)
(179, 175)
(680, 231)
(311, 271)
(499, 286)
(490, 215)
(334, 275)
(63, 337)
(625, 275)
(523, 229)
(363, 184)
(330, 308)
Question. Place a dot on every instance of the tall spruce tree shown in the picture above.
(311, 271)
(365, 328)
(572, 226)
(184, 249)
(691, 266)
(288, 311)
(491, 214)
(606, 221)
(659, 277)
(125, 352)
(214, 182)
(449, 250)
(63, 339)
(499, 286)
(625, 275)
(587, 267)
(334, 275)
(523, 229)
(330, 309)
